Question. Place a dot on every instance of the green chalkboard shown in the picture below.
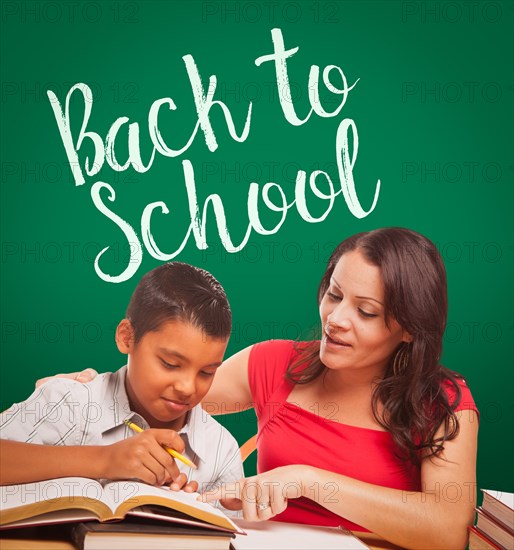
(419, 94)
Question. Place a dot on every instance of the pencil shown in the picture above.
(173, 453)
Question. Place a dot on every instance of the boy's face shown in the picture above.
(169, 370)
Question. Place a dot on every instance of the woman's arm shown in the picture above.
(435, 517)
(230, 390)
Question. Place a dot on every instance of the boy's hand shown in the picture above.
(83, 376)
(142, 457)
(181, 483)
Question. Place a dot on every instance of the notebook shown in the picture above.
(293, 536)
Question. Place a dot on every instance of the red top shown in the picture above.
(288, 434)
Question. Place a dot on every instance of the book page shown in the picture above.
(60, 516)
(505, 498)
(159, 513)
(293, 536)
(67, 488)
(122, 494)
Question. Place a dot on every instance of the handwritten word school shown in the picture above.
(259, 197)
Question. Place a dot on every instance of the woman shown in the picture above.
(363, 428)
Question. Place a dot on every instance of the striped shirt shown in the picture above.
(65, 412)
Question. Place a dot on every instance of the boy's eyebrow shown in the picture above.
(178, 355)
(358, 297)
(167, 351)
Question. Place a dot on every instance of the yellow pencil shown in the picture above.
(173, 453)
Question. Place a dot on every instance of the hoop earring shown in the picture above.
(401, 360)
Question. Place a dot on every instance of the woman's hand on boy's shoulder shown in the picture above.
(83, 376)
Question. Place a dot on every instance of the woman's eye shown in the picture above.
(366, 314)
(169, 365)
(334, 297)
(207, 374)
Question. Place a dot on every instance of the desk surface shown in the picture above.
(57, 537)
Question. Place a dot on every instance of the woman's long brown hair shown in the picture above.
(414, 402)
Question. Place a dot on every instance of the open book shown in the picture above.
(72, 499)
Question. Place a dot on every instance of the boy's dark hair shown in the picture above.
(179, 291)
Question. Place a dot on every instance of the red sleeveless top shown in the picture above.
(288, 434)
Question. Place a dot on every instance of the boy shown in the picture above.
(175, 334)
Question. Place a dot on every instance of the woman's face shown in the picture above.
(355, 335)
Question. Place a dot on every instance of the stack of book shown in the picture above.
(495, 522)
(144, 516)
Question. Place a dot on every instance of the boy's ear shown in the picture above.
(125, 336)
